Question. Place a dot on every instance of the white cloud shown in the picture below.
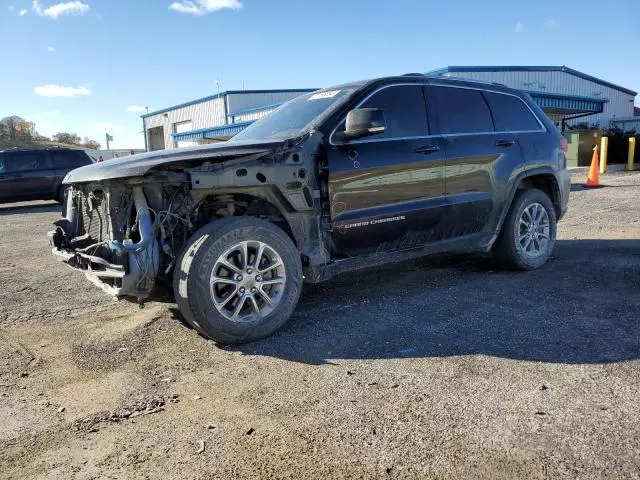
(23, 12)
(519, 27)
(51, 49)
(136, 108)
(202, 7)
(552, 24)
(52, 90)
(75, 7)
(50, 113)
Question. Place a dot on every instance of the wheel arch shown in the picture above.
(260, 203)
(541, 178)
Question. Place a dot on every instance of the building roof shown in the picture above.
(213, 132)
(223, 94)
(561, 68)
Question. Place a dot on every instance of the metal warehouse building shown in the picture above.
(567, 96)
(213, 118)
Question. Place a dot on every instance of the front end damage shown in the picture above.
(123, 236)
(126, 222)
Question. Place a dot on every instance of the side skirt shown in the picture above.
(478, 242)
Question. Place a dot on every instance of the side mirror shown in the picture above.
(363, 122)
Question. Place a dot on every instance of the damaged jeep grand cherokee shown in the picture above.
(339, 179)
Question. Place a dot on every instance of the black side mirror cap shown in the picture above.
(363, 122)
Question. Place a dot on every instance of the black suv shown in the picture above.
(37, 174)
(339, 179)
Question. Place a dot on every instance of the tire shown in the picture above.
(511, 246)
(61, 194)
(238, 317)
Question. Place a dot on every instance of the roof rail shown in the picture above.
(466, 79)
(412, 75)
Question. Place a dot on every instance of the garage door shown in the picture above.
(182, 127)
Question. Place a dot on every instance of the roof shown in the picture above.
(213, 132)
(625, 119)
(561, 68)
(43, 147)
(567, 104)
(223, 94)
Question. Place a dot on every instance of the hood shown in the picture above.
(143, 163)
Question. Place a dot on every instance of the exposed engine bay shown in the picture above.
(124, 236)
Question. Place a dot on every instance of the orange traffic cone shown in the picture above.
(593, 180)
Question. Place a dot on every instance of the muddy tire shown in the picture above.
(61, 194)
(238, 279)
(528, 234)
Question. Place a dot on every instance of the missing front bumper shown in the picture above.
(111, 278)
(133, 275)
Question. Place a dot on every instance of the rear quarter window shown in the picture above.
(510, 113)
(461, 111)
(70, 159)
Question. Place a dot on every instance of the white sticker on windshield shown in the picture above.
(321, 95)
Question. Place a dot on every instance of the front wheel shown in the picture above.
(238, 279)
(529, 231)
(61, 194)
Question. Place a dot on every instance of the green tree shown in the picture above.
(68, 138)
(15, 128)
(92, 144)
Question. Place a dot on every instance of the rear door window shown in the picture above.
(404, 109)
(461, 111)
(25, 161)
(510, 113)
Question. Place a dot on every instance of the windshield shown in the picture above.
(289, 119)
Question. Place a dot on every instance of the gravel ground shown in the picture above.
(438, 368)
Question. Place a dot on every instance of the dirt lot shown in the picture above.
(439, 368)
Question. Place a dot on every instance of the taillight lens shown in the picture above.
(564, 145)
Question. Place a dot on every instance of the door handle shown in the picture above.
(504, 143)
(427, 149)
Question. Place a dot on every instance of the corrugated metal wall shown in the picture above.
(205, 114)
(211, 113)
(252, 116)
(246, 101)
(629, 124)
(620, 104)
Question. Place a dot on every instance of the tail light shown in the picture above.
(564, 145)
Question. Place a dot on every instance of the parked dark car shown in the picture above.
(37, 174)
(339, 179)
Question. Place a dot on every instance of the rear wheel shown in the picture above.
(61, 194)
(238, 279)
(529, 231)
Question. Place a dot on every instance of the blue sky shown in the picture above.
(82, 65)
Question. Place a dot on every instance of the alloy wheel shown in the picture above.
(247, 281)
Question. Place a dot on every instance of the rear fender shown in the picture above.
(511, 193)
